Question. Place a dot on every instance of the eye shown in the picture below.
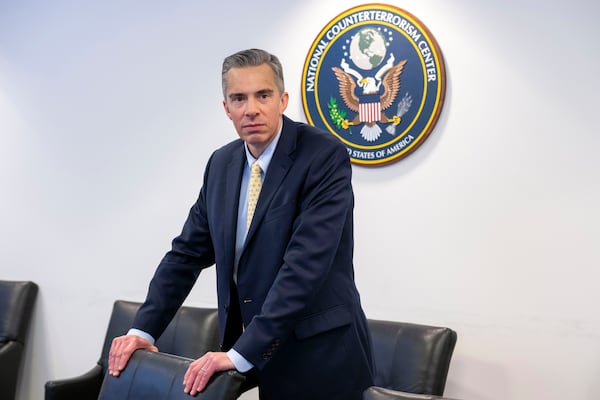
(264, 95)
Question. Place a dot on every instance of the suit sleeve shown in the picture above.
(179, 269)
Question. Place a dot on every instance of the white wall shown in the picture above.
(108, 112)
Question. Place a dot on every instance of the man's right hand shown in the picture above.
(121, 350)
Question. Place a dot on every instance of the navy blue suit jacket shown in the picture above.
(305, 331)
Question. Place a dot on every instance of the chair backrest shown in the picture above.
(192, 332)
(17, 299)
(159, 376)
(410, 357)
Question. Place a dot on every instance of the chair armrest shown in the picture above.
(10, 363)
(10, 354)
(82, 387)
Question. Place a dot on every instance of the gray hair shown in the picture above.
(252, 58)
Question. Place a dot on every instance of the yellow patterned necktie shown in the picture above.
(254, 190)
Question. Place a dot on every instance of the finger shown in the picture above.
(200, 381)
(121, 351)
(194, 368)
(188, 378)
(118, 364)
(191, 384)
(196, 377)
(121, 359)
(113, 356)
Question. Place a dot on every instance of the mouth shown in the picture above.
(253, 127)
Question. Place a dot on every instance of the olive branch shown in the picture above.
(337, 116)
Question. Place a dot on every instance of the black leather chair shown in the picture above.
(191, 333)
(411, 358)
(378, 393)
(17, 300)
(159, 376)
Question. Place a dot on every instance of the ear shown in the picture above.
(285, 97)
(226, 108)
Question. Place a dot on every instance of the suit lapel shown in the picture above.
(232, 199)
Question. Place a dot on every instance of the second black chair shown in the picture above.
(192, 332)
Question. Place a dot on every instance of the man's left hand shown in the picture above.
(200, 371)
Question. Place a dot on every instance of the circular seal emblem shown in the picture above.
(374, 78)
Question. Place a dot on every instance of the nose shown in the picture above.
(251, 107)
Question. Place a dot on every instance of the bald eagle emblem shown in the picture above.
(369, 104)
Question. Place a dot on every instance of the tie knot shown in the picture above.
(255, 169)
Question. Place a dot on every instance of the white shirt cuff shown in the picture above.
(141, 334)
(240, 363)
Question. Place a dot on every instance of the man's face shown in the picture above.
(255, 105)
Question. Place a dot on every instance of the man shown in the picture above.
(288, 306)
